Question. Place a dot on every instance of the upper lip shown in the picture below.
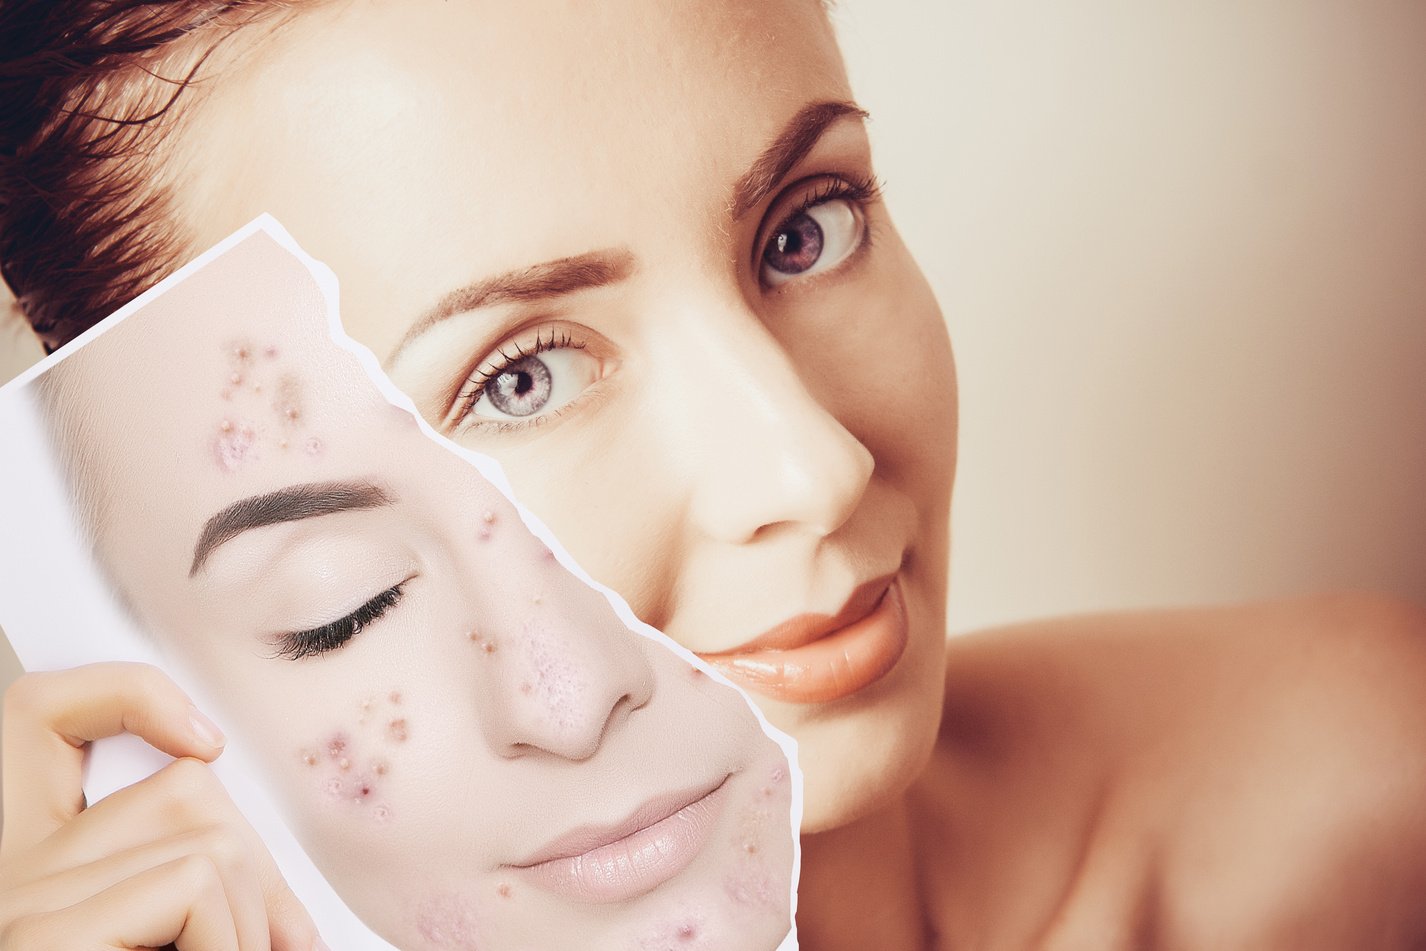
(587, 838)
(806, 628)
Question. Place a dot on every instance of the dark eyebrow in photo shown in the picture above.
(292, 504)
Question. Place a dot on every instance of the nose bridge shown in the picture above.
(765, 450)
(552, 684)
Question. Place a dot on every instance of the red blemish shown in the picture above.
(395, 696)
(270, 351)
(446, 922)
(337, 745)
(484, 534)
(526, 687)
(233, 447)
(397, 731)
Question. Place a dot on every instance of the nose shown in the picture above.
(764, 450)
(559, 685)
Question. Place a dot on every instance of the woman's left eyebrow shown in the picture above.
(535, 282)
(798, 137)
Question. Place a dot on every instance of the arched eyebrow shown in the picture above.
(294, 503)
(601, 268)
(791, 146)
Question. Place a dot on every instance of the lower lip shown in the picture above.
(849, 659)
(638, 863)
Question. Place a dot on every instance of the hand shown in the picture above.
(168, 860)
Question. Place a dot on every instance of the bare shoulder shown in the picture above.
(1257, 773)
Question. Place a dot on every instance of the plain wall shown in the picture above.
(1182, 251)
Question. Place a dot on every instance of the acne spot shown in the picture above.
(380, 767)
(270, 351)
(288, 402)
(537, 599)
(446, 922)
(554, 680)
(546, 554)
(227, 394)
(751, 887)
(483, 534)
(504, 890)
(396, 730)
(687, 931)
(236, 379)
(309, 758)
(313, 446)
(344, 764)
(395, 697)
(381, 813)
(234, 446)
(488, 518)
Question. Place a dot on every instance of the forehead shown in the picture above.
(443, 138)
(226, 385)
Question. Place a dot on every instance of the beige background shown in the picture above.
(1182, 250)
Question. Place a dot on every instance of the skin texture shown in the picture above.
(495, 704)
(736, 453)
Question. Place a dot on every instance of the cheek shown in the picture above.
(347, 770)
(759, 874)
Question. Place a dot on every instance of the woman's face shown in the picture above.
(472, 746)
(633, 250)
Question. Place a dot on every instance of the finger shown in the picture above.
(181, 902)
(181, 801)
(49, 717)
(224, 849)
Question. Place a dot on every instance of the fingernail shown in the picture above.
(205, 729)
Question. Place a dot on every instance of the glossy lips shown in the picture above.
(814, 658)
(621, 862)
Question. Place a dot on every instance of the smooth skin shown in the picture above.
(166, 861)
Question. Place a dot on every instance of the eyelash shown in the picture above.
(862, 189)
(329, 637)
(502, 361)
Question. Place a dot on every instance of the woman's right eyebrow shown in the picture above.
(291, 504)
(534, 282)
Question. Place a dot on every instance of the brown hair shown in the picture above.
(87, 89)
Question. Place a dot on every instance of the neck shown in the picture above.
(860, 887)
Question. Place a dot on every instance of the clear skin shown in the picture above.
(497, 703)
(728, 453)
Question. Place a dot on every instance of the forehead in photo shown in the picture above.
(473, 747)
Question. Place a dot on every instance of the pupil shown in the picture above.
(521, 389)
(796, 247)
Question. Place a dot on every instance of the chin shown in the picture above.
(859, 754)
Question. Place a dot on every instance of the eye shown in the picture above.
(329, 637)
(825, 229)
(530, 383)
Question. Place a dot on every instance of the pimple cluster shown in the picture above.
(264, 408)
(351, 766)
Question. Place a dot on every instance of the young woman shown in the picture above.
(469, 743)
(635, 251)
